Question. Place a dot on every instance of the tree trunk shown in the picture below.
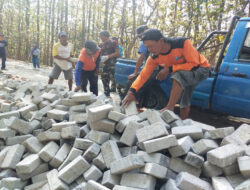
(38, 22)
(27, 34)
(83, 24)
(89, 19)
(1, 15)
(66, 16)
(52, 32)
(106, 15)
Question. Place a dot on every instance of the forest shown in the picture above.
(27, 22)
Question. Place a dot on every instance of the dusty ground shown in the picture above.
(22, 69)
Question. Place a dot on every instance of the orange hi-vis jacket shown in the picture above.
(89, 63)
(181, 56)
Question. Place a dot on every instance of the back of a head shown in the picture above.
(141, 29)
(91, 45)
(104, 33)
(152, 34)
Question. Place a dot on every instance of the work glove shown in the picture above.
(104, 58)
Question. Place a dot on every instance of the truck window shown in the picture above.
(245, 50)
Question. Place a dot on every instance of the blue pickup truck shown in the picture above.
(227, 89)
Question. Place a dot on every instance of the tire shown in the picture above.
(154, 98)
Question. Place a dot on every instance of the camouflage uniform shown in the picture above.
(108, 72)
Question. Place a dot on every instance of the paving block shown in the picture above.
(40, 177)
(28, 164)
(58, 115)
(78, 108)
(59, 126)
(60, 156)
(235, 180)
(183, 147)
(13, 156)
(116, 116)
(231, 169)
(49, 96)
(125, 164)
(69, 102)
(33, 145)
(78, 117)
(7, 173)
(104, 125)
(244, 185)
(93, 173)
(110, 180)
(193, 131)
(122, 124)
(225, 155)
(202, 146)
(13, 183)
(99, 112)
(35, 186)
(186, 181)
(221, 183)
(39, 114)
(170, 185)
(84, 130)
(119, 187)
(92, 185)
(83, 97)
(171, 174)
(71, 156)
(48, 151)
(169, 116)
(24, 110)
(178, 165)
(110, 152)
(10, 114)
(210, 170)
(155, 170)
(49, 136)
(157, 158)
(125, 151)
(177, 123)
(131, 109)
(99, 162)
(73, 170)
(137, 180)
(221, 132)
(161, 143)
(70, 132)
(194, 160)
(21, 126)
(5, 133)
(244, 166)
(150, 132)
(98, 136)
(92, 152)
(5, 107)
(54, 182)
(82, 144)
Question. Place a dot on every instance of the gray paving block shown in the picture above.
(39, 114)
(221, 183)
(157, 158)
(21, 126)
(161, 143)
(28, 164)
(244, 166)
(202, 146)
(169, 116)
(116, 116)
(244, 185)
(183, 147)
(92, 185)
(7, 173)
(99, 162)
(54, 182)
(58, 115)
(155, 170)
(40, 177)
(122, 124)
(99, 112)
(70, 132)
(40, 169)
(13, 183)
(235, 180)
(78, 108)
(5, 107)
(210, 170)
(35, 186)
(93, 173)
(131, 109)
(82, 97)
(110, 180)
(49, 96)
(82, 144)
(33, 145)
(225, 155)
(5, 133)
(104, 125)
(24, 110)
(125, 164)
(60, 156)
(48, 151)
(193, 131)
(71, 156)
(119, 187)
(194, 160)
(59, 126)
(170, 185)
(68, 102)
(231, 169)
(137, 180)
(186, 181)
(49, 136)
(125, 151)
(84, 130)
(98, 136)
(92, 152)
(221, 132)
(73, 170)
(7, 115)
(80, 118)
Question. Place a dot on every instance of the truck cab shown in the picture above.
(227, 89)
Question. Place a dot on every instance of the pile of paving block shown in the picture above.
(52, 139)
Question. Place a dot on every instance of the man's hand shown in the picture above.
(163, 74)
(104, 58)
(128, 98)
(132, 76)
(77, 89)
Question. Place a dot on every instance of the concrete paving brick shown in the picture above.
(68, 102)
(24, 110)
(169, 116)
(99, 112)
(78, 108)
(125, 151)
(35, 186)
(194, 160)
(28, 164)
(70, 132)
(21, 126)
(210, 170)
(177, 123)
(92, 185)
(7, 115)
(48, 151)
(40, 169)
(225, 155)
(60, 156)
(83, 97)
(122, 124)
(129, 134)
(7, 173)
(80, 186)
(150, 132)
(186, 181)
(73, 170)
(116, 116)
(5, 133)
(193, 131)
(39, 114)
(99, 162)
(171, 174)
(71, 156)
(54, 182)
(221, 132)
(110, 152)
(157, 158)
(235, 180)
(109, 180)
(104, 125)
(33, 145)
(82, 144)
(49, 96)
(137, 180)
(40, 177)
(244, 185)
(183, 147)
(119, 187)
(170, 185)
(92, 152)
(125, 164)
(5, 107)
(221, 183)
(59, 126)
(161, 143)
(13, 183)
(58, 115)
(202, 146)
(244, 165)
(131, 109)
(78, 117)
(178, 165)
(155, 170)
(13, 156)
(98, 136)
(84, 130)
(231, 169)
(49, 136)
(93, 173)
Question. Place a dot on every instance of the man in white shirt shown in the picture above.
(62, 53)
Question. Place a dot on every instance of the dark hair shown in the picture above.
(91, 45)
(152, 34)
(104, 33)
(141, 29)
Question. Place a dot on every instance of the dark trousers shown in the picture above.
(93, 81)
(3, 56)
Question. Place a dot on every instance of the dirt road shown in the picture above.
(25, 70)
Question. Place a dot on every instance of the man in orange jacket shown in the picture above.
(87, 68)
(176, 56)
